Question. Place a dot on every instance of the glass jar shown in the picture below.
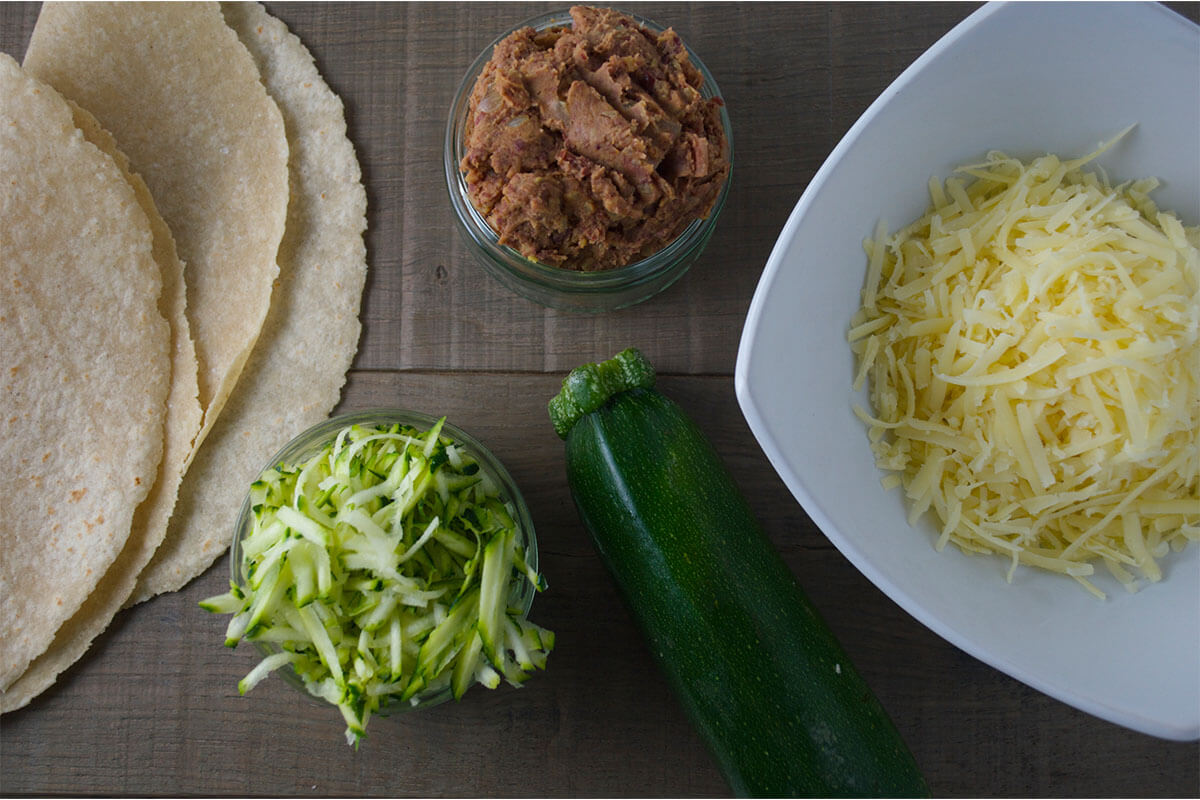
(313, 440)
(557, 287)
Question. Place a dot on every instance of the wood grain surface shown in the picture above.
(153, 708)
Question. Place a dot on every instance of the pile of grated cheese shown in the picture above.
(1031, 350)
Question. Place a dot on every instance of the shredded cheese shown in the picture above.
(1031, 347)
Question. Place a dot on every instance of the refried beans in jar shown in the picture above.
(590, 147)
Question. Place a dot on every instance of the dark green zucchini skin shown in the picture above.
(757, 670)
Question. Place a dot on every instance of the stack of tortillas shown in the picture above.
(182, 263)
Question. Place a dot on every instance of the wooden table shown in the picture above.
(153, 707)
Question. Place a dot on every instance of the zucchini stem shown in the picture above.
(588, 387)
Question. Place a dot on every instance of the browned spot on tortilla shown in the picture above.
(78, 494)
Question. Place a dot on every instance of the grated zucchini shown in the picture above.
(382, 568)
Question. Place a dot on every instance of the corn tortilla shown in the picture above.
(183, 99)
(86, 365)
(295, 375)
(182, 422)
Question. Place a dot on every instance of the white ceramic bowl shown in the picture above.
(1026, 78)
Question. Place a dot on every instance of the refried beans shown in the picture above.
(590, 147)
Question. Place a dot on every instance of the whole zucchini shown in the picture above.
(757, 670)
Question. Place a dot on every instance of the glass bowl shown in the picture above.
(312, 441)
(557, 287)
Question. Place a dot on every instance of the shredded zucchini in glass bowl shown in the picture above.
(388, 558)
